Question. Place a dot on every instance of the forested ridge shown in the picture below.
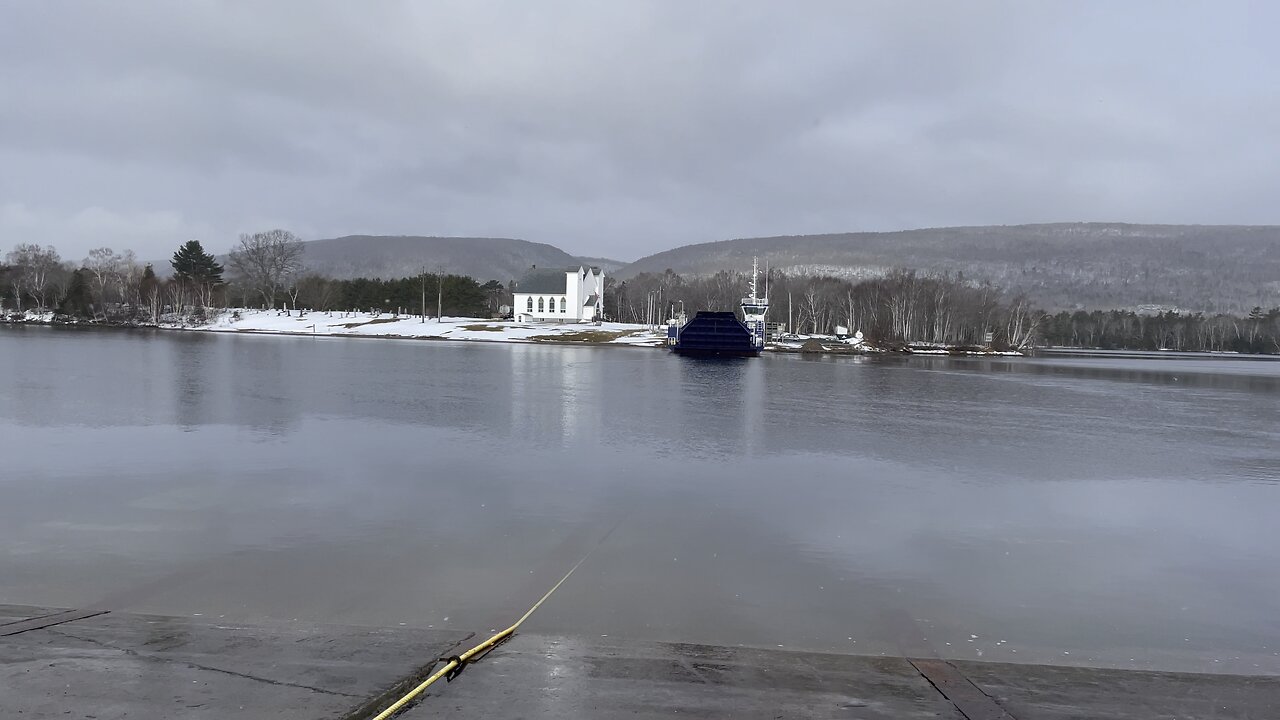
(1057, 266)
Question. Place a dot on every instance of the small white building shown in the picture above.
(572, 295)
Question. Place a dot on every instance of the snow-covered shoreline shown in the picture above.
(406, 327)
(384, 325)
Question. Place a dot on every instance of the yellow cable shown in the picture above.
(482, 647)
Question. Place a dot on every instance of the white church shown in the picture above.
(572, 295)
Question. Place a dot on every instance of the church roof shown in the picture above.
(547, 282)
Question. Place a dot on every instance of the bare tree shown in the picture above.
(149, 292)
(103, 264)
(204, 294)
(292, 288)
(1022, 323)
(266, 261)
(34, 271)
(177, 297)
(812, 307)
(125, 278)
(17, 277)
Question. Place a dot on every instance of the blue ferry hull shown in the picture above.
(715, 334)
(690, 352)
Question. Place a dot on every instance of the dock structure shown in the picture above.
(57, 664)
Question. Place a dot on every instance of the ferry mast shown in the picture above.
(754, 307)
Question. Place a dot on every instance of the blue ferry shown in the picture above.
(722, 334)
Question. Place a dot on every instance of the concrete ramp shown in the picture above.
(120, 665)
(117, 665)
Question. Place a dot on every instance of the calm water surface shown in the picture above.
(1084, 511)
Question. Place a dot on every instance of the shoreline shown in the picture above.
(382, 325)
(608, 334)
(570, 334)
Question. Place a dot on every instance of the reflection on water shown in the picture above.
(1122, 511)
(722, 404)
(1226, 374)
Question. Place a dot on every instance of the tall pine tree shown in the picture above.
(191, 264)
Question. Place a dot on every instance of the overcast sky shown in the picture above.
(622, 128)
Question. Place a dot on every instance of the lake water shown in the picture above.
(1103, 512)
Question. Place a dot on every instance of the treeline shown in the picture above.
(903, 307)
(1258, 332)
(944, 309)
(37, 278)
(429, 294)
(266, 271)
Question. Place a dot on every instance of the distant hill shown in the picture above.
(605, 264)
(395, 256)
(1059, 266)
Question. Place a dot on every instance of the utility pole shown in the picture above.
(423, 313)
(439, 293)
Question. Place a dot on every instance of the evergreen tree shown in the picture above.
(149, 292)
(79, 299)
(459, 295)
(192, 264)
(149, 284)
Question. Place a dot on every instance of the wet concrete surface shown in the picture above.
(139, 666)
(562, 677)
(1050, 692)
(119, 665)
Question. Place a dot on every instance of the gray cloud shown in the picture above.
(625, 128)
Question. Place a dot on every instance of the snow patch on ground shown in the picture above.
(31, 316)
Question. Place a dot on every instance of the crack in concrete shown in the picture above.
(370, 707)
(268, 681)
(943, 675)
(197, 666)
(45, 621)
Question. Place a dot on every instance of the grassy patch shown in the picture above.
(484, 328)
(584, 336)
(375, 321)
